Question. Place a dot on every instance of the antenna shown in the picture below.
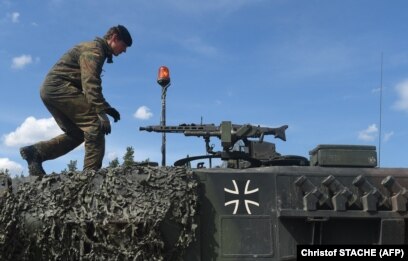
(379, 133)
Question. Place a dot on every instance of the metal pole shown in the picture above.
(379, 133)
(163, 123)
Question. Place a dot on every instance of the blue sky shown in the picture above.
(314, 65)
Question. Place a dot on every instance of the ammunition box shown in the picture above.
(262, 150)
(343, 156)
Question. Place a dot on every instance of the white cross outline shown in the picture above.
(246, 192)
(246, 201)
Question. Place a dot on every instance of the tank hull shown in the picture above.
(267, 212)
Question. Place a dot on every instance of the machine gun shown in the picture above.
(229, 134)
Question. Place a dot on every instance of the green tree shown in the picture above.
(5, 171)
(128, 158)
(114, 163)
(72, 165)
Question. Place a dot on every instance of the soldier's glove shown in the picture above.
(113, 113)
(105, 123)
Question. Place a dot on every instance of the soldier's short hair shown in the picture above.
(121, 32)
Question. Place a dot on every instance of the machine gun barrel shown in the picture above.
(182, 128)
(228, 133)
(210, 130)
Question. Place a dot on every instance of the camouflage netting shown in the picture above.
(112, 214)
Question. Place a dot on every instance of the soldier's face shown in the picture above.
(118, 46)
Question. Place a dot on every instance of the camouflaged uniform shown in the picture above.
(72, 92)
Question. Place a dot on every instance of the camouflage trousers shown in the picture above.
(79, 122)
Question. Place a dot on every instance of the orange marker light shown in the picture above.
(163, 77)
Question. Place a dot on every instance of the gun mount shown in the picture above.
(255, 152)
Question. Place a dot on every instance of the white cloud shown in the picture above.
(15, 17)
(143, 113)
(13, 167)
(402, 91)
(31, 131)
(21, 61)
(112, 155)
(388, 135)
(368, 134)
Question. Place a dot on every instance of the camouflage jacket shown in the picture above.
(78, 72)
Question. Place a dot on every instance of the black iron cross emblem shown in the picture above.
(241, 196)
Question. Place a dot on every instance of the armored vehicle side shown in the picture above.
(264, 204)
(259, 205)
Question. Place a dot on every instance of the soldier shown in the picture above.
(72, 92)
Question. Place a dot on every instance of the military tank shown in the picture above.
(264, 205)
(260, 205)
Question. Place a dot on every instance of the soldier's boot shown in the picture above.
(33, 158)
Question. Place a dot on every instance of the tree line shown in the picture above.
(128, 160)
